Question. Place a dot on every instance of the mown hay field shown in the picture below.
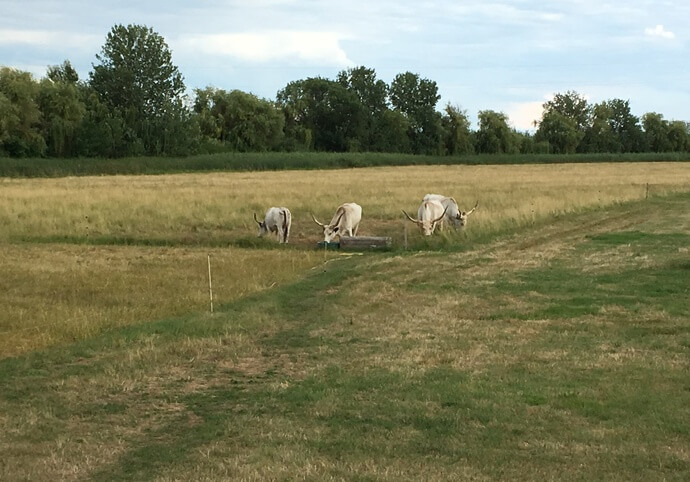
(84, 254)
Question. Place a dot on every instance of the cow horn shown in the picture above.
(337, 221)
(257, 221)
(317, 222)
(440, 217)
(475, 207)
(410, 217)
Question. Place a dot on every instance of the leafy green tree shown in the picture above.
(323, 113)
(571, 105)
(372, 94)
(613, 129)
(656, 132)
(494, 135)
(138, 82)
(208, 122)
(600, 135)
(559, 132)
(62, 109)
(416, 98)
(526, 143)
(240, 120)
(63, 73)
(457, 134)
(103, 132)
(413, 95)
(679, 136)
(626, 126)
(294, 103)
(20, 117)
(391, 133)
(565, 119)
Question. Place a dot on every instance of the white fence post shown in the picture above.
(210, 284)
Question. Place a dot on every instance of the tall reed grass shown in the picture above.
(272, 161)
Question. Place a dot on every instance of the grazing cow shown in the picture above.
(456, 217)
(344, 223)
(277, 220)
(429, 214)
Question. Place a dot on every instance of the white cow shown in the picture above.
(429, 214)
(344, 223)
(277, 220)
(456, 217)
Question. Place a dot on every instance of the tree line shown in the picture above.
(133, 103)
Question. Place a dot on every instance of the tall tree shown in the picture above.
(391, 133)
(457, 134)
(240, 120)
(323, 112)
(626, 126)
(136, 78)
(656, 130)
(494, 135)
(62, 113)
(20, 117)
(372, 94)
(559, 132)
(679, 136)
(103, 132)
(63, 73)
(565, 119)
(416, 98)
(601, 135)
(612, 129)
(570, 105)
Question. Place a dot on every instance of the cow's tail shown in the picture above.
(287, 221)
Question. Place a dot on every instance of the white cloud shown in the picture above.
(504, 12)
(523, 114)
(47, 38)
(659, 32)
(321, 47)
(38, 71)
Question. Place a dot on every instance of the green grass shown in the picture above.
(555, 353)
(272, 161)
(649, 287)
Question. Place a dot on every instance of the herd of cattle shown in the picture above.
(431, 214)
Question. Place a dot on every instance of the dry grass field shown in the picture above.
(216, 209)
(550, 341)
(85, 254)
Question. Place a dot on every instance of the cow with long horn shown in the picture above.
(455, 216)
(429, 215)
(278, 220)
(345, 222)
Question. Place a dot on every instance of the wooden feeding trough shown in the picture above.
(358, 243)
(328, 245)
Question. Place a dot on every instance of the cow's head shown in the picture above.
(330, 231)
(262, 226)
(461, 218)
(426, 225)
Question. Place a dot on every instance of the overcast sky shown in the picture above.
(508, 56)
